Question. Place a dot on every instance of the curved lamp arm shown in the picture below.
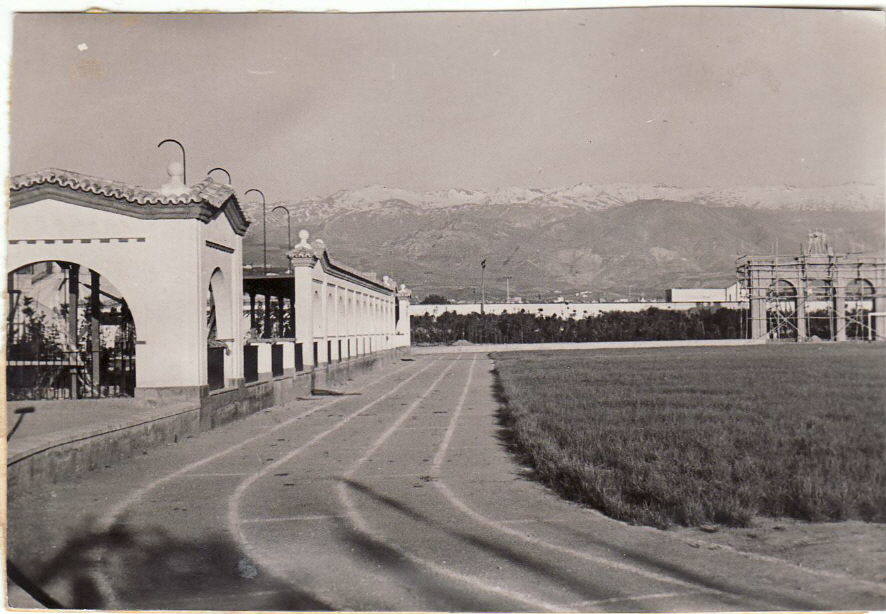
(264, 225)
(218, 168)
(184, 158)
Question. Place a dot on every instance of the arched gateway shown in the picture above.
(69, 334)
(161, 252)
(818, 294)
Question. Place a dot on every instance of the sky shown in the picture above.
(302, 105)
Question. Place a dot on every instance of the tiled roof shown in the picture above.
(206, 190)
(357, 274)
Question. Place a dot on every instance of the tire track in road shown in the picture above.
(461, 506)
(693, 587)
(235, 522)
(116, 511)
(110, 518)
(360, 524)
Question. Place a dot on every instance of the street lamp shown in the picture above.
(288, 226)
(264, 224)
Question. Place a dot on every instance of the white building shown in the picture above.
(706, 295)
(174, 258)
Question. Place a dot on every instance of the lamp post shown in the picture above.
(264, 224)
(288, 225)
(184, 159)
(483, 286)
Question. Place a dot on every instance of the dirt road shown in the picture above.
(400, 498)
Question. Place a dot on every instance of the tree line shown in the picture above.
(652, 324)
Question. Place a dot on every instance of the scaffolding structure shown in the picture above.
(814, 295)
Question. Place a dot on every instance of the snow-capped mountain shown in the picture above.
(580, 238)
(591, 197)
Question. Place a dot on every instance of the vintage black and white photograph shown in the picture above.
(561, 310)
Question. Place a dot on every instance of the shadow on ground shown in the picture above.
(150, 569)
(581, 584)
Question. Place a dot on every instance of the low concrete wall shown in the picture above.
(93, 450)
(222, 406)
(339, 373)
(72, 453)
(581, 345)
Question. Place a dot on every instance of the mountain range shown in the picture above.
(613, 241)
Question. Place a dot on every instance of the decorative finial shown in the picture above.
(176, 184)
(302, 252)
(319, 247)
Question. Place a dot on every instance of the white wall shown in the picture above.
(704, 295)
(162, 269)
(348, 309)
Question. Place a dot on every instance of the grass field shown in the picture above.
(697, 436)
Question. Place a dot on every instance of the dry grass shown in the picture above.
(705, 435)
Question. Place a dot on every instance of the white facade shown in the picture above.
(341, 313)
(706, 295)
(161, 253)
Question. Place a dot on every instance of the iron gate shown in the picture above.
(69, 374)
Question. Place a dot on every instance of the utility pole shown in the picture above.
(482, 286)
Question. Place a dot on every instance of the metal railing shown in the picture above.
(69, 374)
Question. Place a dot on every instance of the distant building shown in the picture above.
(816, 294)
(706, 295)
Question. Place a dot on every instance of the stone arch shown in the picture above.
(781, 310)
(220, 331)
(782, 289)
(115, 275)
(860, 296)
(220, 290)
(859, 289)
(54, 351)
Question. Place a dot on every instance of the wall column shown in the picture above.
(302, 261)
(801, 306)
(73, 309)
(838, 287)
(757, 298)
(404, 327)
(879, 322)
(95, 341)
(266, 316)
